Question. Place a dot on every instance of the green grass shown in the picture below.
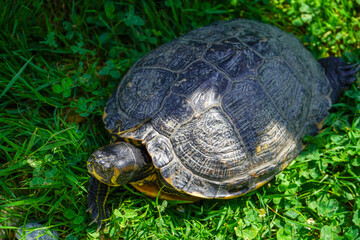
(60, 61)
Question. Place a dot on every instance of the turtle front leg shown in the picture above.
(97, 196)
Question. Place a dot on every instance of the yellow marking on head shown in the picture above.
(115, 177)
(95, 174)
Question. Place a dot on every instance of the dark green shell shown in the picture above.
(223, 108)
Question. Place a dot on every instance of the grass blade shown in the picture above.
(16, 77)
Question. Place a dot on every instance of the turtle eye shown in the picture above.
(105, 165)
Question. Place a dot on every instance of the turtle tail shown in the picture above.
(339, 73)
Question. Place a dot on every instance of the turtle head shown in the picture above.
(117, 164)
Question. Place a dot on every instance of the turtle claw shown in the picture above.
(96, 218)
(348, 66)
(349, 72)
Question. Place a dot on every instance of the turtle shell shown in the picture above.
(223, 108)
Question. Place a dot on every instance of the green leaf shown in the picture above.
(250, 233)
(304, 8)
(71, 237)
(117, 213)
(134, 20)
(352, 233)
(57, 88)
(85, 79)
(238, 232)
(312, 205)
(284, 233)
(66, 83)
(314, 155)
(50, 40)
(109, 9)
(66, 93)
(163, 206)
(82, 104)
(114, 52)
(115, 74)
(283, 186)
(104, 71)
(105, 37)
(355, 161)
(327, 233)
(328, 208)
(33, 162)
(153, 40)
(356, 217)
(129, 213)
(69, 213)
(51, 173)
(67, 26)
(91, 19)
(306, 18)
(336, 139)
(110, 64)
(37, 181)
(292, 214)
(84, 114)
(251, 216)
(78, 220)
(70, 35)
(92, 233)
(314, 173)
(297, 22)
(276, 200)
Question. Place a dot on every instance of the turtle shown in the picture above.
(215, 113)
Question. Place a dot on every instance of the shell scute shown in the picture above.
(233, 58)
(176, 110)
(174, 56)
